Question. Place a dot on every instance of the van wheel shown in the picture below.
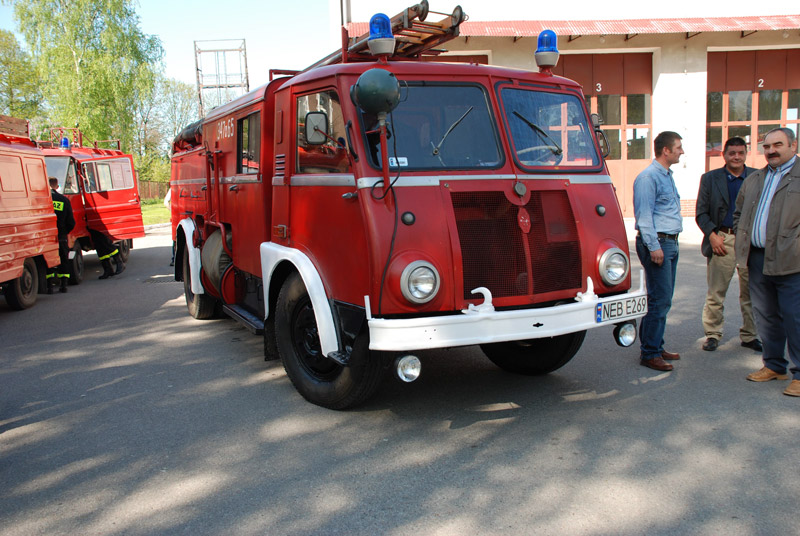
(318, 379)
(124, 248)
(534, 356)
(201, 306)
(76, 266)
(21, 292)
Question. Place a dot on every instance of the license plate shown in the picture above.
(614, 310)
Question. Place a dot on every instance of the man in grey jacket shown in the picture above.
(767, 225)
(716, 201)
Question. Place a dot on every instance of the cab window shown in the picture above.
(63, 169)
(249, 144)
(328, 155)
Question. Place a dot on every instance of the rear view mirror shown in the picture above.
(605, 149)
(316, 128)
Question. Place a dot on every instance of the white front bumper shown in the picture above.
(485, 325)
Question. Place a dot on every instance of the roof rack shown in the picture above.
(13, 126)
(415, 36)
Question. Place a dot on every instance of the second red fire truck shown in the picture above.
(375, 205)
(101, 185)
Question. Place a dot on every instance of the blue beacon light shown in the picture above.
(65, 142)
(546, 51)
(381, 39)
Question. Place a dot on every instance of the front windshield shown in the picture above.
(62, 168)
(435, 127)
(548, 129)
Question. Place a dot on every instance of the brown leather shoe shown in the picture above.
(670, 356)
(793, 389)
(656, 364)
(765, 375)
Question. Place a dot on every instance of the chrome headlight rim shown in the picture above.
(603, 266)
(405, 281)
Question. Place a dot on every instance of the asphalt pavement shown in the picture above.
(122, 415)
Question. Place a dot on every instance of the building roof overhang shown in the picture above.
(692, 26)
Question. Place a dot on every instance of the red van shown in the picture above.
(28, 234)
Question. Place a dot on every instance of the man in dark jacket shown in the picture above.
(65, 221)
(716, 201)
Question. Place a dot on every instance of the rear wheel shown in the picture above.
(320, 380)
(21, 292)
(76, 266)
(201, 306)
(124, 248)
(534, 356)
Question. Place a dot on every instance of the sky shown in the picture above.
(294, 34)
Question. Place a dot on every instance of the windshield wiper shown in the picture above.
(554, 147)
(449, 130)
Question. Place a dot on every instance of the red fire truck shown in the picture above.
(375, 204)
(101, 184)
(28, 234)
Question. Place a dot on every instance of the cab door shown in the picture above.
(111, 197)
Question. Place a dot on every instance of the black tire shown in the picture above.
(201, 306)
(21, 292)
(76, 266)
(124, 248)
(318, 379)
(534, 357)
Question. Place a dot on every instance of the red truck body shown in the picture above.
(28, 234)
(482, 214)
(102, 186)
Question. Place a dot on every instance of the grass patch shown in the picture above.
(154, 211)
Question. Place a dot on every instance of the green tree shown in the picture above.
(159, 117)
(19, 81)
(94, 61)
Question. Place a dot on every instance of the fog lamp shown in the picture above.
(407, 368)
(625, 334)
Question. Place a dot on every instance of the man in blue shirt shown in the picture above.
(657, 207)
(716, 201)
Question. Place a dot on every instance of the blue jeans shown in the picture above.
(776, 308)
(660, 286)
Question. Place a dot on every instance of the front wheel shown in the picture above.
(201, 306)
(320, 380)
(534, 357)
(21, 292)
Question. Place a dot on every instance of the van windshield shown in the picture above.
(438, 126)
(548, 129)
(62, 168)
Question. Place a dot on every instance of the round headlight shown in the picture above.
(613, 266)
(419, 282)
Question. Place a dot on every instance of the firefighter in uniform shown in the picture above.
(65, 222)
(105, 252)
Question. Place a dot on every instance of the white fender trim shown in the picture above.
(188, 226)
(271, 255)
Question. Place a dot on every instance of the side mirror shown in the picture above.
(605, 148)
(316, 128)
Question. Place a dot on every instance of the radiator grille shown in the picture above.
(493, 245)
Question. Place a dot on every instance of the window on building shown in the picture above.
(749, 94)
(249, 144)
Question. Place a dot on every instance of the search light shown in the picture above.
(65, 142)
(381, 39)
(546, 51)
